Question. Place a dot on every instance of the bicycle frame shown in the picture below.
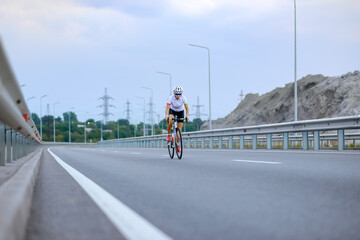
(172, 145)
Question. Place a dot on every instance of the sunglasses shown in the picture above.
(178, 94)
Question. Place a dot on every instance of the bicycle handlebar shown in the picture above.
(177, 119)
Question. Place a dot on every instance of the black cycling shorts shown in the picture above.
(178, 114)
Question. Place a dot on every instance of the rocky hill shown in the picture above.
(318, 97)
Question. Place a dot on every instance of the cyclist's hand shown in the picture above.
(186, 119)
(167, 118)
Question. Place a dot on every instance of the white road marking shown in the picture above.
(251, 161)
(351, 152)
(128, 222)
(102, 150)
(136, 153)
(116, 151)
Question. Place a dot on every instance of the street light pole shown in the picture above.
(170, 80)
(41, 115)
(143, 114)
(85, 127)
(54, 119)
(295, 77)
(151, 110)
(118, 129)
(193, 45)
(27, 101)
(70, 124)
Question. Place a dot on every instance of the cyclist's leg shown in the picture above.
(180, 122)
(171, 117)
(180, 125)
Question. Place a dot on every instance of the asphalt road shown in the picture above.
(209, 194)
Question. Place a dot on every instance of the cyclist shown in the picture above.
(175, 107)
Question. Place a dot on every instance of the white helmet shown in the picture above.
(178, 89)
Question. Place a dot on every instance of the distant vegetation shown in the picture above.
(110, 130)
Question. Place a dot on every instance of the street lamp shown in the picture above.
(70, 124)
(170, 80)
(151, 110)
(41, 115)
(117, 128)
(295, 81)
(54, 119)
(27, 101)
(144, 114)
(193, 45)
(85, 127)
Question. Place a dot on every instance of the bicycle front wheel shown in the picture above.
(178, 135)
(171, 149)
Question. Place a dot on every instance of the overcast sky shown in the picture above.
(72, 50)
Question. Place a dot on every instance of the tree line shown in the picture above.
(120, 128)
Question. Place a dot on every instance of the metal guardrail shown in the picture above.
(18, 133)
(288, 133)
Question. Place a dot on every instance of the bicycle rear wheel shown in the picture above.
(171, 149)
(178, 134)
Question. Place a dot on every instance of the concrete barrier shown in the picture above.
(16, 199)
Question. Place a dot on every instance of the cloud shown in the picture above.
(64, 21)
(235, 9)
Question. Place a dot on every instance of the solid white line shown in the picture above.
(128, 222)
(251, 161)
(351, 152)
(135, 153)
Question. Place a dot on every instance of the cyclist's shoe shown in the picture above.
(168, 138)
(178, 148)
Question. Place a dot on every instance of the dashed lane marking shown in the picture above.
(252, 161)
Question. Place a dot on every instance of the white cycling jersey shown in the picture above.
(177, 104)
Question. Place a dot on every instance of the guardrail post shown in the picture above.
(341, 140)
(195, 142)
(24, 146)
(203, 142)
(316, 140)
(285, 141)
(13, 145)
(188, 142)
(211, 143)
(220, 142)
(305, 140)
(242, 142)
(254, 141)
(268, 141)
(8, 145)
(2, 144)
(27, 146)
(20, 147)
(231, 142)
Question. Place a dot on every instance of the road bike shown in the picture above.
(175, 135)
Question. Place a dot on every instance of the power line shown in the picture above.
(105, 106)
(128, 104)
(198, 112)
(241, 95)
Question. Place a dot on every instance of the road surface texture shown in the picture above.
(209, 194)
